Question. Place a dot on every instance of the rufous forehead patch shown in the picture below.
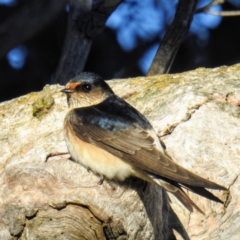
(73, 85)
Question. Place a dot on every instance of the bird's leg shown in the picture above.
(101, 180)
(57, 156)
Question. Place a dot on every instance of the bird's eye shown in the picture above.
(86, 87)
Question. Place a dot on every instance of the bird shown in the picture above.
(110, 137)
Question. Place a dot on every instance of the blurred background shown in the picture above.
(126, 47)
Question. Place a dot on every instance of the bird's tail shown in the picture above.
(179, 193)
(176, 189)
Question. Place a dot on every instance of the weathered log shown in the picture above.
(43, 196)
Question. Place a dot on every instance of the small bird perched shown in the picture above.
(111, 138)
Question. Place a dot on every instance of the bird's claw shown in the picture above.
(100, 182)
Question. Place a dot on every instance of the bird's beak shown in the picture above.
(67, 90)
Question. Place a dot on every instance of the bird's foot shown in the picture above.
(101, 180)
(57, 156)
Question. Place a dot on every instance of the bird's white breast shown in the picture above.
(95, 158)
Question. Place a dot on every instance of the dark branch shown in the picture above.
(92, 23)
(173, 38)
(84, 23)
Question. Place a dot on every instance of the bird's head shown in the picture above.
(86, 89)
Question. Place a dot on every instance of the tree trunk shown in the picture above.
(43, 196)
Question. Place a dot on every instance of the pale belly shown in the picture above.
(96, 159)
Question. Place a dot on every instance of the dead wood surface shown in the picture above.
(197, 116)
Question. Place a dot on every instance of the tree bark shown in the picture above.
(196, 114)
